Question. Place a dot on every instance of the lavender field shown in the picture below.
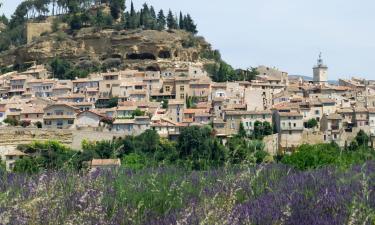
(266, 194)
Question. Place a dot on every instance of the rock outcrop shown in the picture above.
(134, 48)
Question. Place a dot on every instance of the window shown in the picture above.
(26, 115)
(60, 123)
(59, 112)
(264, 116)
(182, 88)
(70, 122)
(48, 122)
(295, 125)
(182, 96)
(167, 88)
(1, 114)
(317, 112)
(108, 86)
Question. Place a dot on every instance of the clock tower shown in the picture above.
(320, 71)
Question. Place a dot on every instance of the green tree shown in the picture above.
(161, 22)
(181, 22)
(242, 132)
(60, 67)
(171, 21)
(190, 25)
(312, 123)
(117, 7)
(362, 139)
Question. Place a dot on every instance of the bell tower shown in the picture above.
(320, 71)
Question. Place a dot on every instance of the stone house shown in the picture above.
(60, 116)
(88, 119)
(18, 85)
(125, 111)
(182, 88)
(233, 119)
(175, 110)
(289, 126)
(32, 113)
(2, 112)
(83, 106)
(200, 88)
(81, 85)
(371, 112)
(165, 127)
(135, 126)
(61, 90)
(251, 117)
(10, 157)
(360, 117)
(41, 88)
(347, 115)
(331, 125)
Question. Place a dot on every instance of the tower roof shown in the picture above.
(320, 63)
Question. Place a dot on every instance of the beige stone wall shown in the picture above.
(11, 137)
(271, 144)
(34, 30)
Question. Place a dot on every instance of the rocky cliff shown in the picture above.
(131, 48)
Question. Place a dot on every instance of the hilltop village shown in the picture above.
(289, 111)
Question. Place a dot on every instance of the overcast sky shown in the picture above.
(287, 34)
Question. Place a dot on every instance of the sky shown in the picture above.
(286, 34)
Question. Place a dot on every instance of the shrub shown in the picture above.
(11, 121)
(312, 123)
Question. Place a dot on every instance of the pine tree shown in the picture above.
(171, 21)
(161, 20)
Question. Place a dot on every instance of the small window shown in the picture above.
(182, 96)
(108, 86)
(182, 88)
(167, 88)
(70, 122)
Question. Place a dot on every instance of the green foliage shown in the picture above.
(161, 20)
(171, 21)
(138, 112)
(362, 138)
(317, 156)
(222, 72)
(55, 25)
(64, 70)
(312, 123)
(27, 165)
(60, 68)
(199, 148)
(11, 121)
(262, 129)
(242, 132)
(49, 155)
(117, 7)
(165, 104)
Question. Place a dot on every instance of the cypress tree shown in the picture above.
(190, 25)
(161, 20)
(181, 22)
(171, 21)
